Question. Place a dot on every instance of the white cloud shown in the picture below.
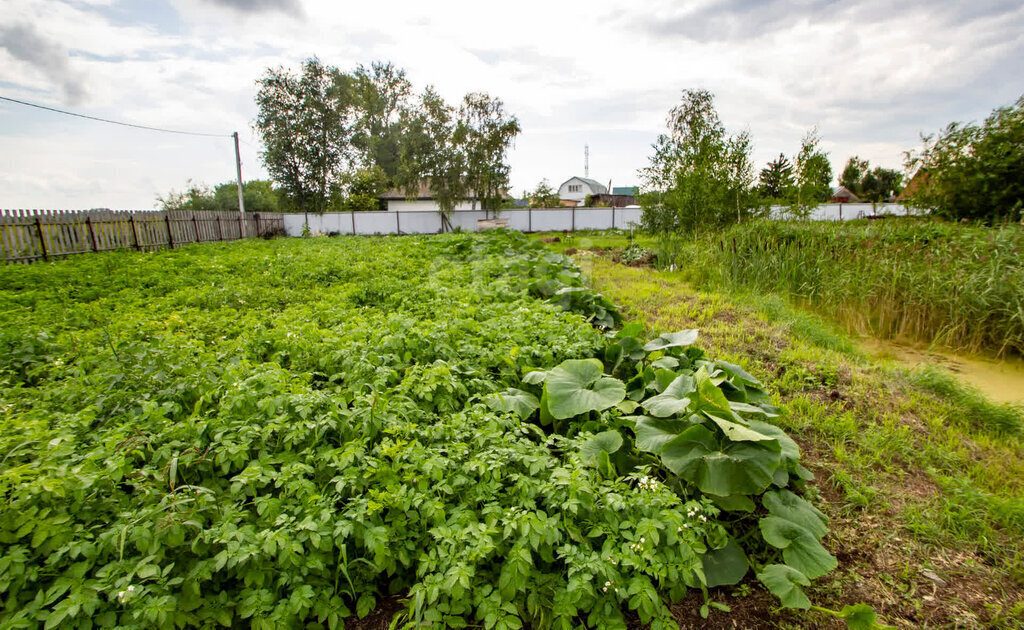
(871, 75)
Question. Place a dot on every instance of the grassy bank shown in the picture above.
(921, 480)
(958, 286)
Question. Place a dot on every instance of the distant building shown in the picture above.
(612, 201)
(422, 201)
(842, 194)
(577, 188)
(632, 191)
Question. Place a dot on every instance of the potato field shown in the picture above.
(287, 433)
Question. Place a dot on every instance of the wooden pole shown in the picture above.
(92, 233)
(135, 232)
(195, 224)
(42, 237)
(241, 197)
(220, 230)
(257, 218)
(170, 236)
(353, 215)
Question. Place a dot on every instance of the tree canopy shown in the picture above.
(972, 171)
(336, 139)
(869, 184)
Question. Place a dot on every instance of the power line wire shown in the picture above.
(116, 122)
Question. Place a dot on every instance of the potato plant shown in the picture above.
(278, 434)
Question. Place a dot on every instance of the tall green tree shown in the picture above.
(543, 196)
(777, 178)
(485, 133)
(381, 98)
(304, 122)
(853, 174)
(813, 176)
(431, 152)
(697, 174)
(972, 171)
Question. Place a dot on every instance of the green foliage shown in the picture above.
(699, 178)
(777, 178)
(870, 185)
(306, 132)
(543, 196)
(813, 175)
(258, 195)
(282, 433)
(971, 171)
(933, 281)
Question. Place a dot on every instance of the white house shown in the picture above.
(577, 188)
(423, 201)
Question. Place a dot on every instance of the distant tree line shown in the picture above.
(700, 177)
(259, 195)
(336, 139)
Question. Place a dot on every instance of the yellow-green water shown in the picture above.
(1002, 381)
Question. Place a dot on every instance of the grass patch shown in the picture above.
(921, 476)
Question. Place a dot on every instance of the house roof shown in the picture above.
(625, 190)
(597, 186)
(843, 191)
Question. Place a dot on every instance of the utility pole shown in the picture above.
(241, 199)
(586, 160)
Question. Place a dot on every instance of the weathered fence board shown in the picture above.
(31, 235)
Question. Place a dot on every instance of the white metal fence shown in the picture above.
(417, 222)
(848, 211)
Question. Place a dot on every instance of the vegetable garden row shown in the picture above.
(282, 433)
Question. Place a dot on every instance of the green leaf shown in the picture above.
(725, 566)
(859, 617)
(790, 450)
(800, 548)
(740, 375)
(675, 399)
(708, 394)
(653, 434)
(785, 583)
(785, 504)
(697, 456)
(738, 432)
(516, 400)
(672, 340)
(734, 503)
(364, 605)
(606, 442)
(579, 385)
(535, 377)
(665, 363)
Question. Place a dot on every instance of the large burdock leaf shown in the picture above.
(672, 340)
(790, 449)
(785, 582)
(725, 566)
(738, 432)
(516, 400)
(709, 396)
(675, 399)
(800, 548)
(579, 385)
(652, 434)
(785, 504)
(606, 442)
(721, 467)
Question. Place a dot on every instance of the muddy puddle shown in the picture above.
(1002, 381)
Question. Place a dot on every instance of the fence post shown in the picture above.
(256, 216)
(42, 237)
(529, 219)
(574, 218)
(195, 224)
(220, 230)
(398, 223)
(92, 234)
(840, 210)
(241, 227)
(135, 232)
(352, 213)
(170, 236)
(613, 217)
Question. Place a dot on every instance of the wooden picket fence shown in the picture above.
(30, 235)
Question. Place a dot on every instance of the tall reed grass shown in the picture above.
(956, 285)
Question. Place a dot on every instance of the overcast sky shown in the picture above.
(871, 74)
